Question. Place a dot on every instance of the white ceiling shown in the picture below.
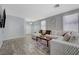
(33, 12)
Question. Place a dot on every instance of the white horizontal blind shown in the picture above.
(70, 23)
(43, 25)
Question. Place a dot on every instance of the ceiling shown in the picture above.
(33, 12)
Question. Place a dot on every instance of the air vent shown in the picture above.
(57, 5)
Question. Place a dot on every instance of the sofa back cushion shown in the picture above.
(74, 38)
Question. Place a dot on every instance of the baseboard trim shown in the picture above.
(14, 37)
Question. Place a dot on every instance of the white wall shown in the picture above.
(27, 27)
(14, 28)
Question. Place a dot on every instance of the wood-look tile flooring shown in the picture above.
(22, 46)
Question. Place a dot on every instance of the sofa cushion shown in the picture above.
(67, 36)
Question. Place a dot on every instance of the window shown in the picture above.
(70, 23)
(43, 25)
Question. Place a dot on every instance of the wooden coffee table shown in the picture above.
(42, 38)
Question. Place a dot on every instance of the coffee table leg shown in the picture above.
(47, 43)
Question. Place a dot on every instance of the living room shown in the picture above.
(39, 29)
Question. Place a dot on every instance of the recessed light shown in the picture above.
(30, 22)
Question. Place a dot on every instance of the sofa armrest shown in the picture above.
(59, 47)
